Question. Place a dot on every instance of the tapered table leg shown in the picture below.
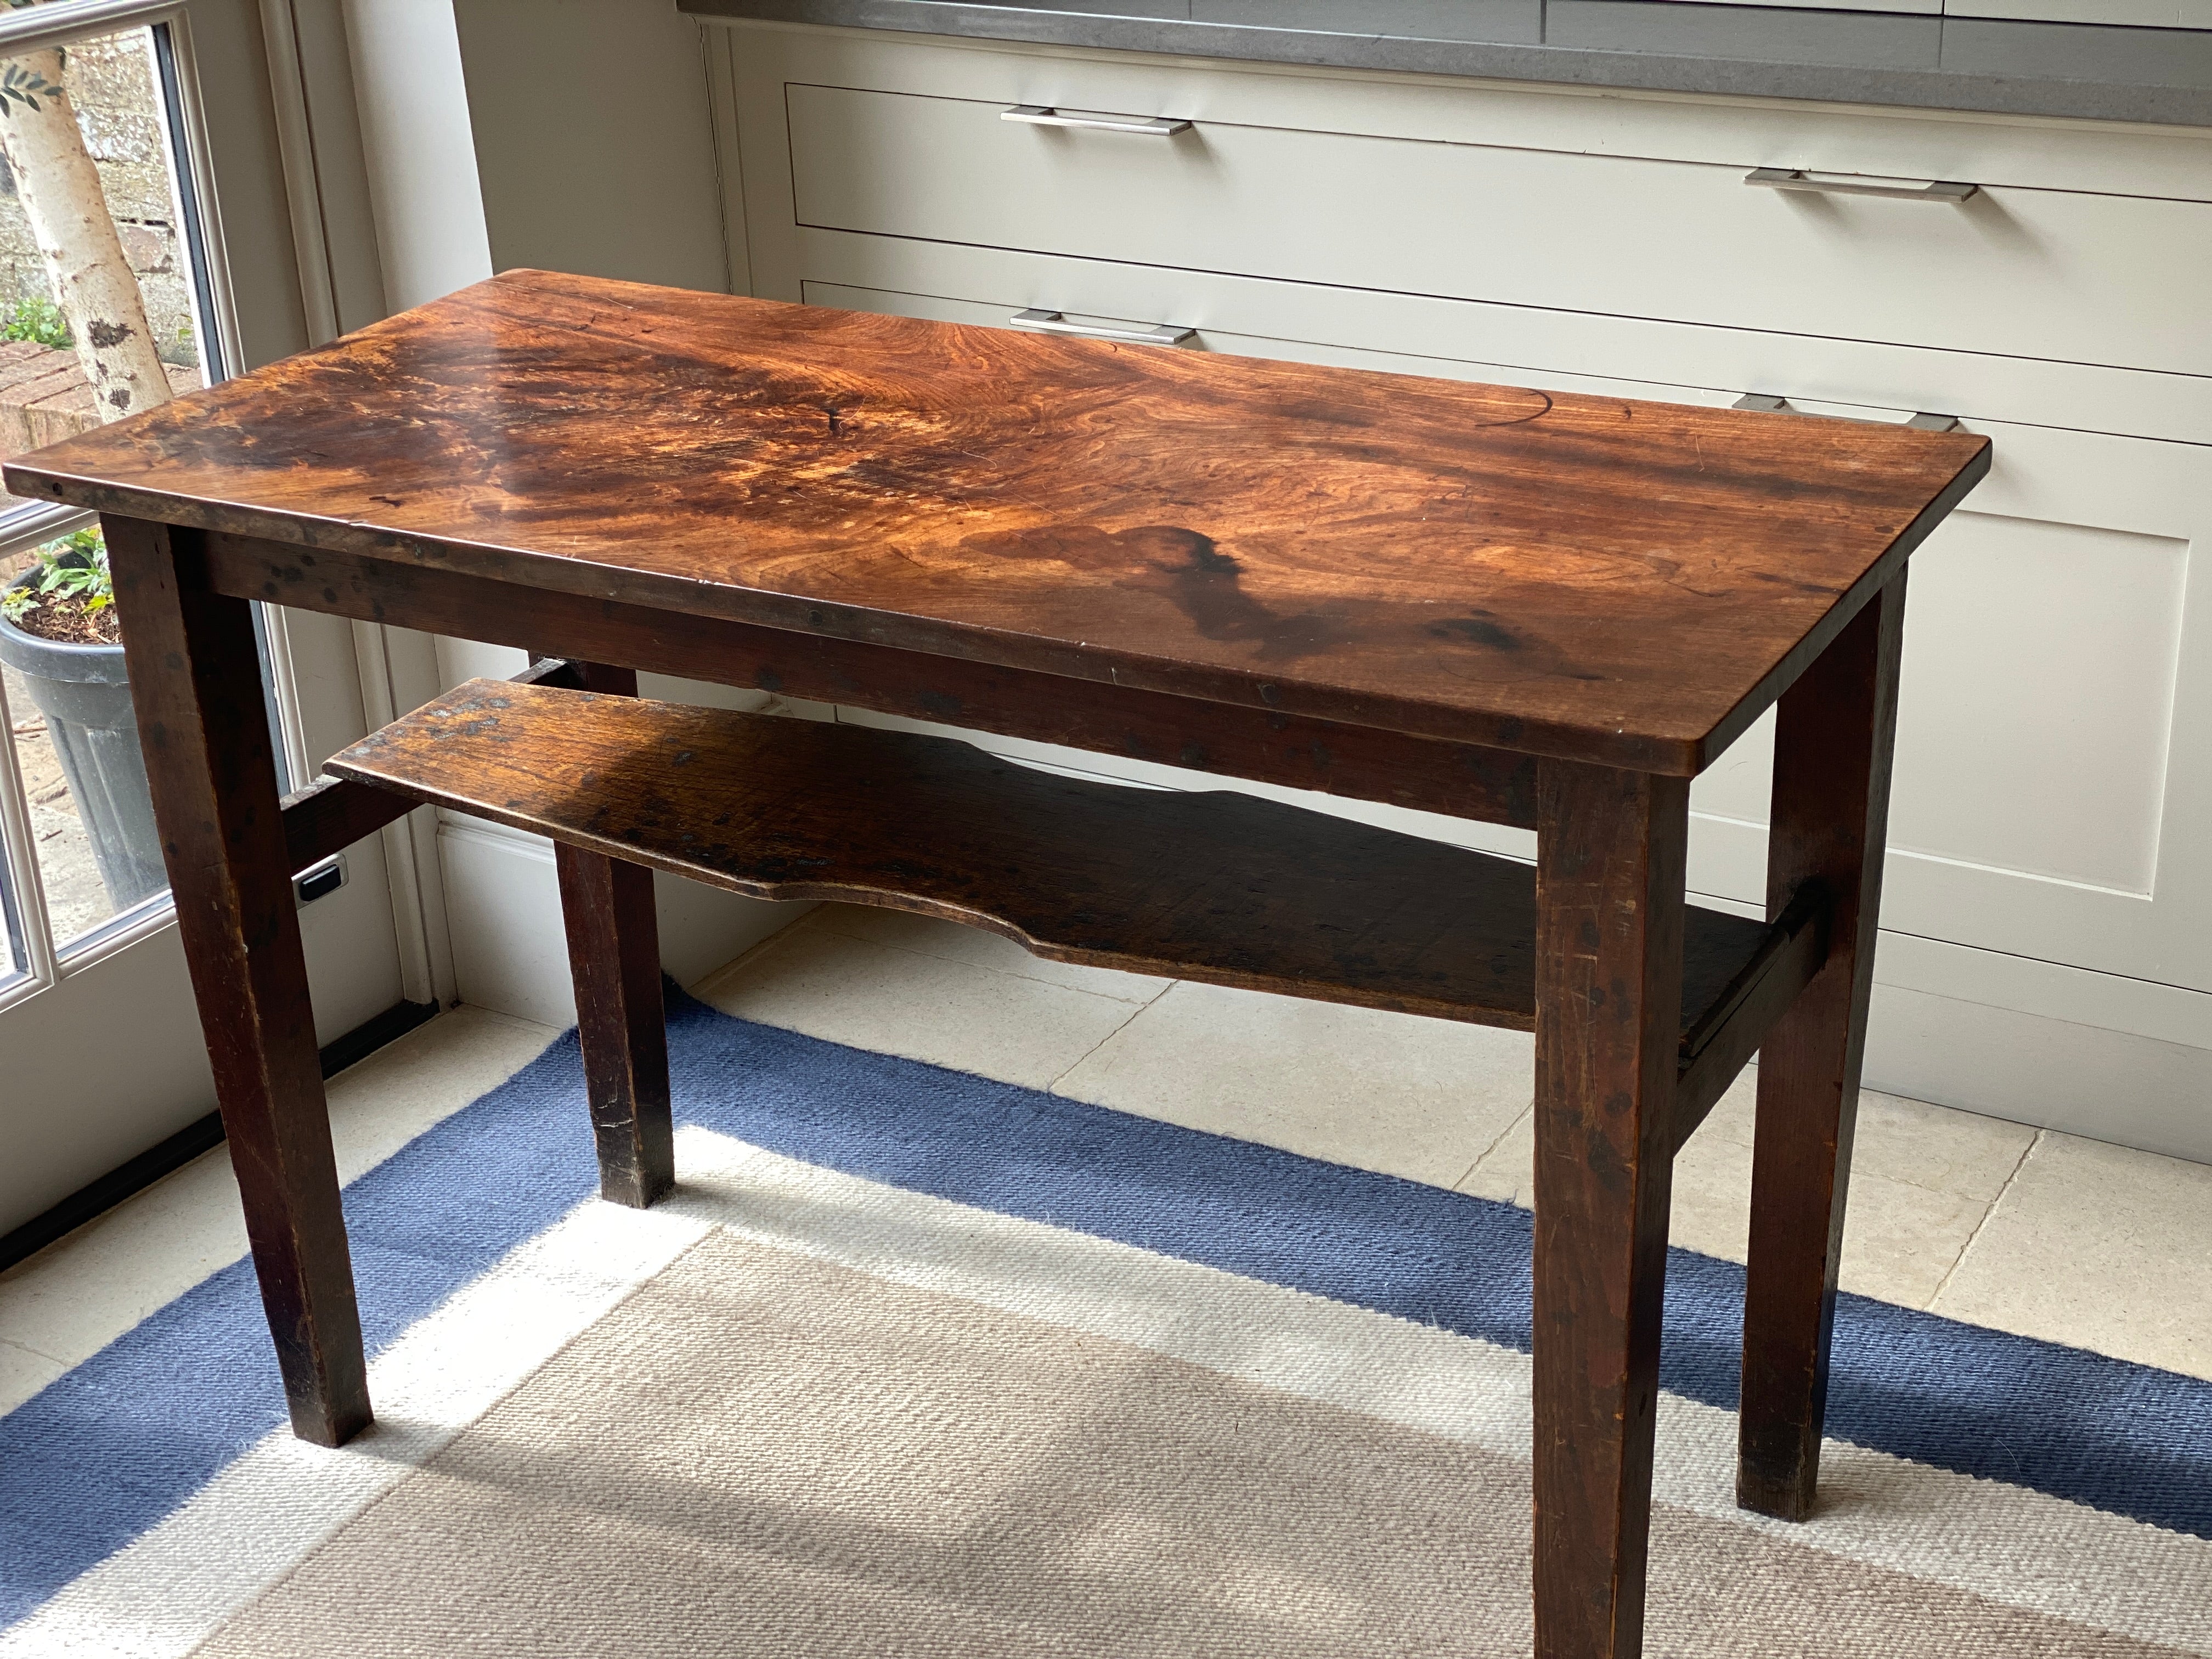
(196, 684)
(1833, 743)
(1609, 899)
(614, 954)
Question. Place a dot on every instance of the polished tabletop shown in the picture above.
(1619, 581)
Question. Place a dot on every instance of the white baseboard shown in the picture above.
(2091, 1080)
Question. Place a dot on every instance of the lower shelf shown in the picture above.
(1213, 886)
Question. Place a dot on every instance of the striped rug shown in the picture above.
(916, 1362)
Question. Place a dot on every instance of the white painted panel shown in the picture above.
(2045, 273)
(348, 213)
(2038, 699)
(2065, 1075)
(504, 906)
(353, 955)
(1993, 1030)
(2097, 1054)
(1911, 8)
(350, 936)
(1519, 344)
(109, 1061)
(2036, 710)
(469, 659)
(2048, 990)
(2053, 793)
(100, 1065)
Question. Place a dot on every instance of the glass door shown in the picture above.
(147, 248)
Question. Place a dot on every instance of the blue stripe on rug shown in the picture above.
(124, 1438)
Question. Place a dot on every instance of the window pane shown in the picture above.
(111, 84)
(76, 748)
(98, 319)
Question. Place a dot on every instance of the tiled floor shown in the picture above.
(1981, 1220)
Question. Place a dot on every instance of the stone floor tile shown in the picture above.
(904, 930)
(379, 1105)
(813, 979)
(1421, 1098)
(1901, 1241)
(2100, 1247)
(1946, 1151)
(23, 1373)
(1504, 1172)
(1900, 1238)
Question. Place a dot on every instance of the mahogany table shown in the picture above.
(1543, 610)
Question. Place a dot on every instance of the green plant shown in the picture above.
(22, 86)
(73, 568)
(39, 320)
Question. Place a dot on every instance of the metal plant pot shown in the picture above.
(85, 696)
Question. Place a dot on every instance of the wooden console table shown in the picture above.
(1493, 603)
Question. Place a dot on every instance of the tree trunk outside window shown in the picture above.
(92, 280)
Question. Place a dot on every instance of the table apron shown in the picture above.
(1463, 780)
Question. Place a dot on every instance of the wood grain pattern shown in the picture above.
(1609, 881)
(614, 958)
(1833, 745)
(330, 814)
(1721, 1040)
(196, 684)
(1625, 582)
(1361, 762)
(1214, 886)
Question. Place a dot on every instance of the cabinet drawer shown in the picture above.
(2053, 790)
(1512, 344)
(2064, 276)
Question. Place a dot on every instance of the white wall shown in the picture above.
(418, 147)
(594, 143)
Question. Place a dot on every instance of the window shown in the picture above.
(102, 314)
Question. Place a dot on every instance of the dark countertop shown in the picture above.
(2090, 71)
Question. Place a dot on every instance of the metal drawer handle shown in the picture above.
(1831, 184)
(1052, 322)
(1038, 115)
(1922, 422)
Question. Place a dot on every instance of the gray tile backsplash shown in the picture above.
(1506, 22)
(1758, 34)
(2070, 51)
